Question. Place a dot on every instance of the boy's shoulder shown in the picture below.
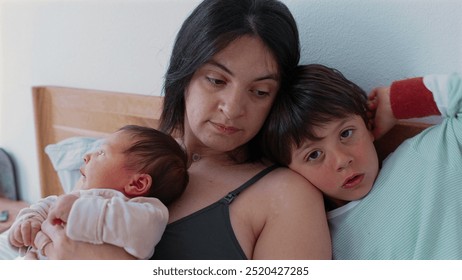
(397, 135)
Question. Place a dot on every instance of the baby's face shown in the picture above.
(105, 167)
(343, 164)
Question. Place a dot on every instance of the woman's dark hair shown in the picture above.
(159, 155)
(210, 28)
(318, 95)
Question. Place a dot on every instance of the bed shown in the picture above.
(62, 113)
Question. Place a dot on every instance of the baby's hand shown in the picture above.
(23, 233)
(59, 212)
(383, 119)
(31, 256)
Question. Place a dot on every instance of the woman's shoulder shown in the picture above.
(287, 183)
(288, 177)
(289, 211)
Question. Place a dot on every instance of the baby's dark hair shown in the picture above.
(159, 155)
(318, 95)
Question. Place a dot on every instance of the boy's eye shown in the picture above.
(314, 156)
(100, 153)
(346, 133)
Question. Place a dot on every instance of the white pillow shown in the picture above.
(67, 158)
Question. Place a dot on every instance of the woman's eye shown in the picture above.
(347, 133)
(260, 92)
(215, 82)
(314, 155)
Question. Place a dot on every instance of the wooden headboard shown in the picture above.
(62, 112)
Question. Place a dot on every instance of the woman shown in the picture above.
(231, 61)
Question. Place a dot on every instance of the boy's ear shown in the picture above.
(140, 185)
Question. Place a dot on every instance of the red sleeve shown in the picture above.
(411, 99)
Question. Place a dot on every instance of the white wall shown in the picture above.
(377, 41)
(110, 45)
(124, 46)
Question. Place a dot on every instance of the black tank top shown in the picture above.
(206, 234)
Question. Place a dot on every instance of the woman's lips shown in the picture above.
(225, 129)
(353, 181)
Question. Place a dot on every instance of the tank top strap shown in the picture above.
(231, 195)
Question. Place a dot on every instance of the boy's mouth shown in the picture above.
(353, 181)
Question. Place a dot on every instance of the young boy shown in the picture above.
(121, 198)
(412, 208)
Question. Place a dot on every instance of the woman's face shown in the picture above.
(230, 96)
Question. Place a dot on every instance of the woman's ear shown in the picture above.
(371, 134)
(140, 185)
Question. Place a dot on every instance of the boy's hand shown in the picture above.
(59, 212)
(382, 114)
(23, 233)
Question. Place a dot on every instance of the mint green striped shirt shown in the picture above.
(414, 210)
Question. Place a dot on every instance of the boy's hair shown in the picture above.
(159, 155)
(318, 96)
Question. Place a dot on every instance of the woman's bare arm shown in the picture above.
(296, 224)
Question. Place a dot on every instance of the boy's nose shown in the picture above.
(343, 160)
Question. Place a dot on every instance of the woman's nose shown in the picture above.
(232, 104)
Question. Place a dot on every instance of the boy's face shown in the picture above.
(343, 164)
(105, 167)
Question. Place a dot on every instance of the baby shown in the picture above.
(120, 198)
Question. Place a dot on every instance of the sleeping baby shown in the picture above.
(121, 197)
